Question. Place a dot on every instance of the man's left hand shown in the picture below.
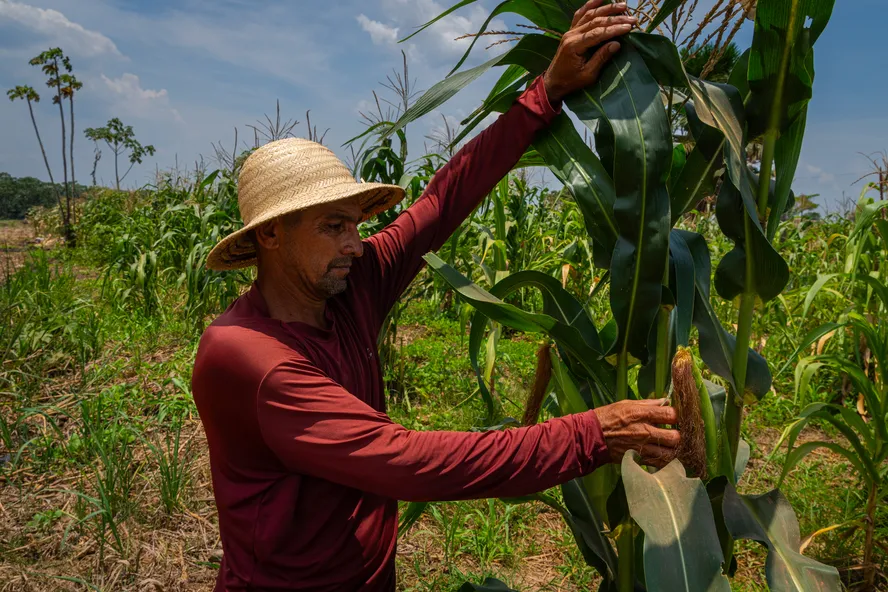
(593, 24)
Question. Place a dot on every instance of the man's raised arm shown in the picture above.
(457, 189)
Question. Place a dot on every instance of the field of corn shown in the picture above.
(670, 259)
(104, 467)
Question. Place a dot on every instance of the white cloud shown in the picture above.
(442, 37)
(380, 34)
(138, 101)
(821, 175)
(74, 38)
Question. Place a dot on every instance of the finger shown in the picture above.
(593, 67)
(584, 9)
(601, 11)
(602, 22)
(655, 414)
(598, 36)
(656, 456)
(663, 437)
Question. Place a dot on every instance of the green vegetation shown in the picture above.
(104, 475)
(18, 196)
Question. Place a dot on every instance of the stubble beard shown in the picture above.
(331, 285)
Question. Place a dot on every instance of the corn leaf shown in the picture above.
(632, 137)
(682, 551)
(769, 519)
(575, 165)
(532, 52)
(780, 77)
(547, 14)
(716, 344)
(573, 330)
(666, 10)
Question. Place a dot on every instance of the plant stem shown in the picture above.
(869, 577)
(734, 404)
(622, 376)
(626, 558)
(662, 361)
(764, 188)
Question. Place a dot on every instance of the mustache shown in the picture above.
(340, 262)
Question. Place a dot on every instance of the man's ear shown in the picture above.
(267, 235)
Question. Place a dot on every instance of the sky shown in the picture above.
(185, 74)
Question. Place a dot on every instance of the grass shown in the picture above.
(104, 472)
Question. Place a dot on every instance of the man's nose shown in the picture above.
(353, 246)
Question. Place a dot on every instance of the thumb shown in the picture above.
(593, 67)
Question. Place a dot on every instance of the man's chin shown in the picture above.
(332, 286)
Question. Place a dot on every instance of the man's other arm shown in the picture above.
(454, 192)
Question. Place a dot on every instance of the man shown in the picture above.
(306, 465)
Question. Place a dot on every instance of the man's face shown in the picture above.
(315, 247)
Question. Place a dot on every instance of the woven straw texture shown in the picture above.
(286, 176)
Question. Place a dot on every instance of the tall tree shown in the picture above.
(28, 94)
(71, 85)
(120, 139)
(52, 62)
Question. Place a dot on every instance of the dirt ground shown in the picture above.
(16, 238)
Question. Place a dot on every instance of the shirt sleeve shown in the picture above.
(316, 427)
(454, 192)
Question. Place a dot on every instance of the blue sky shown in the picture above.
(184, 74)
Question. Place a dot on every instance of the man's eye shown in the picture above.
(335, 227)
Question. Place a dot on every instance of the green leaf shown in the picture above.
(682, 278)
(808, 340)
(634, 141)
(681, 546)
(770, 520)
(410, 516)
(531, 158)
(587, 523)
(547, 14)
(532, 52)
(597, 486)
(780, 77)
(575, 165)
(566, 330)
(770, 273)
(666, 10)
(742, 459)
(848, 423)
(697, 178)
(822, 279)
(716, 344)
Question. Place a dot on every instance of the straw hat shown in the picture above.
(286, 176)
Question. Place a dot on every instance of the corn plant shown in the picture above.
(632, 191)
(174, 469)
(110, 441)
(865, 427)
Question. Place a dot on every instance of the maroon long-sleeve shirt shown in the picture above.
(306, 465)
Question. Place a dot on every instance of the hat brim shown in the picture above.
(237, 250)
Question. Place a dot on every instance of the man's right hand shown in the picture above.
(632, 425)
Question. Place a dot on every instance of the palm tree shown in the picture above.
(30, 95)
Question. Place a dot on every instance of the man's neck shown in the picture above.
(288, 301)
